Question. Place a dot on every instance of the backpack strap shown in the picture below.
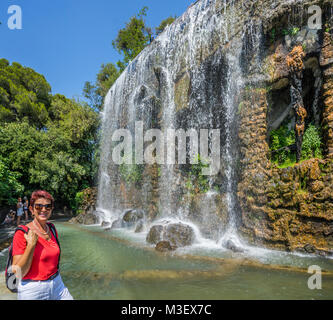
(54, 231)
(22, 229)
(55, 234)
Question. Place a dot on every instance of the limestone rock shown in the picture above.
(179, 234)
(117, 224)
(232, 246)
(309, 248)
(105, 224)
(139, 227)
(132, 216)
(155, 234)
(164, 246)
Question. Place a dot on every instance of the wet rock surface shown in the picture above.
(139, 227)
(155, 234)
(6, 236)
(87, 209)
(133, 216)
(164, 246)
(177, 234)
(229, 244)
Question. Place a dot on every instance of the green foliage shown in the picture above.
(132, 39)
(56, 152)
(311, 146)
(19, 142)
(77, 201)
(273, 35)
(291, 31)
(131, 173)
(197, 182)
(282, 137)
(279, 138)
(164, 24)
(23, 94)
(10, 188)
(96, 92)
(77, 121)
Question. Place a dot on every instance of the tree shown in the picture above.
(96, 93)
(24, 93)
(67, 159)
(48, 141)
(10, 188)
(164, 24)
(133, 38)
(19, 143)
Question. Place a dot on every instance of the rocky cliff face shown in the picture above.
(229, 65)
(289, 208)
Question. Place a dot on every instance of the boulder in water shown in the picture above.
(231, 246)
(105, 224)
(164, 246)
(90, 219)
(139, 227)
(179, 234)
(155, 234)
(117, 224)
(309, 248)
(132, 216)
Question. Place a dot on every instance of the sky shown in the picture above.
(68, 40)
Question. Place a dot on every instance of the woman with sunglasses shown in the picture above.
(36, 254)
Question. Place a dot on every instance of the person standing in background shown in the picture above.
(26, 208)
(19, 211)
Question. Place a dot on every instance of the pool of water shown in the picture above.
(104, 265)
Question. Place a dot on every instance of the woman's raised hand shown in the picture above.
(31, 237)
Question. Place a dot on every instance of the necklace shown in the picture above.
(46, 233)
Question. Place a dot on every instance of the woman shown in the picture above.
(25, 208)
(36, 255)
(19, 210)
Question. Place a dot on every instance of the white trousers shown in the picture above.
(43, 290)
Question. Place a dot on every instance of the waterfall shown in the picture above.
(234, 84)
(190, 52)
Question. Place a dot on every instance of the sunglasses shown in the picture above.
(39, 207)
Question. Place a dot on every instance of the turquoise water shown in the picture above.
(95, 265)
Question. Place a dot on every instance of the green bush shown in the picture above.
(282, 137)
(279, 138)
(197, 182)
(311, 147)
(77, 202)
(131, 173)
(10, 188)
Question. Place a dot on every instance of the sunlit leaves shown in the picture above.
(24, 93)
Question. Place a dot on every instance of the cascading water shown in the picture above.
(251, 36)
(180, 53)
(234, 84)
(106, 201)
